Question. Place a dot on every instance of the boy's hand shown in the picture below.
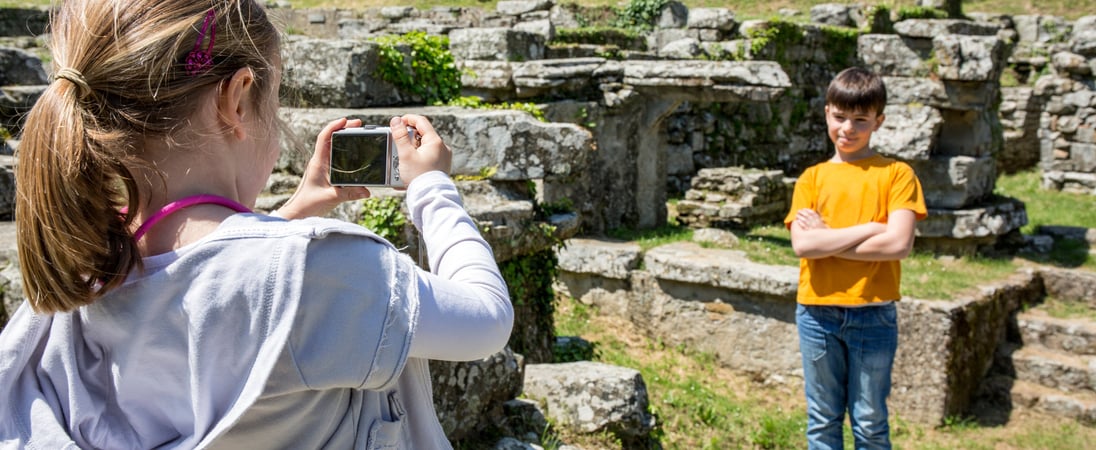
(315, 196)
(809, 219)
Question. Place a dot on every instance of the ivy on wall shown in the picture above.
(433, 74)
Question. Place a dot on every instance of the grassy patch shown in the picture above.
(701, 405)
(768, 244)
(925, 276)
(1067, 310)
(648, 239)
(1047, 207)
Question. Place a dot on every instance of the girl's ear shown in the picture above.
(234, 101)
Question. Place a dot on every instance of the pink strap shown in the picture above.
(187, 202)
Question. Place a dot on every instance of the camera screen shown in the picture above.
(358, 159)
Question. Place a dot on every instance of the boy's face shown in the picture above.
(850, 131)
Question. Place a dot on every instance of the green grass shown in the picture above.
(650, 238)
(1067, 309)
(1047, 207)
(925, 276)
(700, 405)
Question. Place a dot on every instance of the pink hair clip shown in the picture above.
(198, 60)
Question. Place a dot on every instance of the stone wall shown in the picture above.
(743, 313)
(1067, 132)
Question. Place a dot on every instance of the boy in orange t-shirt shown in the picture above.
(852, 220)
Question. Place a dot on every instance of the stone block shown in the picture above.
(20, 67)
(491, 80)
(574, 78)
(931, 28)
(1067, 181)
(722, 19)
(991, 219)
(674, 14)
(687, 262)
(542, 27)
(519, 7)
(837, 14)
(955, 182)
(610, 259)
(1068, 63)
(909, 132)
(1041, 29)
(1080, 157)
(502, 44)
(893, 55)
(943, 94)
(469, 396)
(969, 58)
(732, 197)
(592, 397)
(335, 73)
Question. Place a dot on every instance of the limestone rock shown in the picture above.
(968, 58)
(729, 269)
(1041, 29)
(990, 219)
(335, 73)
(955, 182)
(606, 258)
(20, 67)
(734, 197)
(910, 131)
(674, 14)
(932, 28)
(722, 19)
(519, 7)
(500, 44)
(893, 55)
(469, 396)
(837, 14)
(591, 397)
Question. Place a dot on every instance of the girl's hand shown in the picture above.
(315, 196)
(427, 154)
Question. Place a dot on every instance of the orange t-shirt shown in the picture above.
(847, 194)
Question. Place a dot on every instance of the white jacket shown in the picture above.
(264, 334)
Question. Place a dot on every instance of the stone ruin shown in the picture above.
(721, 112)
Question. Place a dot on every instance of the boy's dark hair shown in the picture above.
(857, 89)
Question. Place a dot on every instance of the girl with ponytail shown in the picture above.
(162, 312)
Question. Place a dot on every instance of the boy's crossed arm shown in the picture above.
(872, 241)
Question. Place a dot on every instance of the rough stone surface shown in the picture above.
(968, 58)
(837, 14)
(469, 396)
(893, 55)
(591, 397)
(7, 188)
(610, 259)
(734, 197)
(729, 269)
(501, 44)
(21, 68)
(722, 19)
(1020, 109)
(1041, 29)
(910, 131)
(519, 7)
(674, 14)
(1070, 285)
(955, 182)
(931, 28)
(996, 218)
(335, 73)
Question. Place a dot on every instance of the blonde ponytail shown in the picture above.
(120, 78)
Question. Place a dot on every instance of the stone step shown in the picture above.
(1065, 372)
(1074, 336)
(1080, 406)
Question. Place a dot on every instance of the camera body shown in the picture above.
(365, 156)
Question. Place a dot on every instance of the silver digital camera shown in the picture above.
(365, 156)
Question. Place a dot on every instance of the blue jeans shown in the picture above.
(847, 358)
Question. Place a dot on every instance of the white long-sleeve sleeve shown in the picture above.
(465, 310)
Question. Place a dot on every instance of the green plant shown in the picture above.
(601, 35)
(384, 216)
(773, 40)
(920, 12)
(478, 103)
(485, 173)
(639, 14)
(433, 74)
